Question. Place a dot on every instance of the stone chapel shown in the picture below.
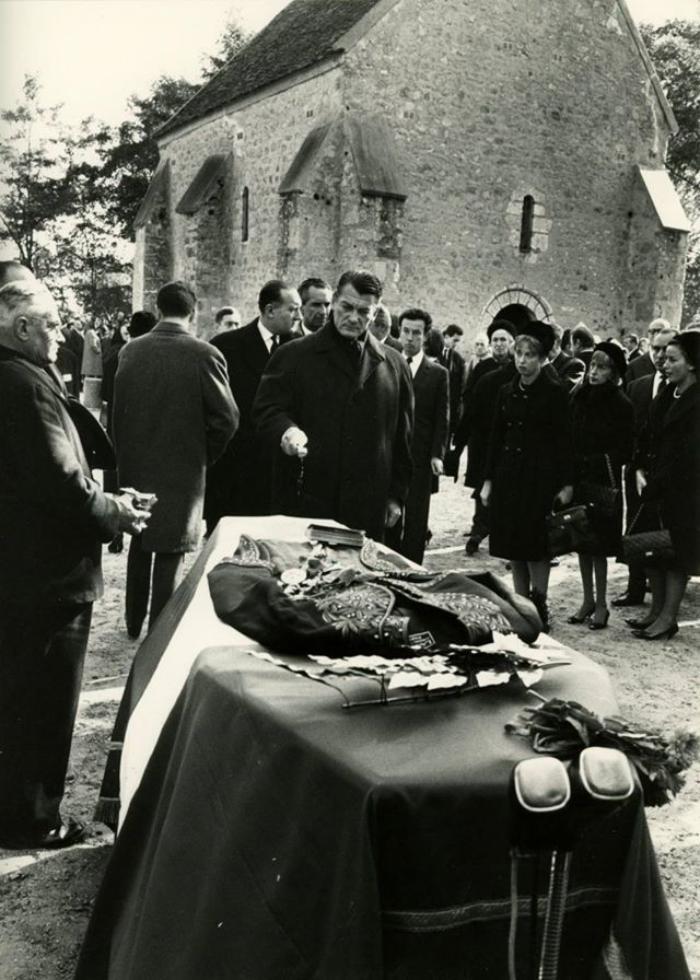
(481, 156)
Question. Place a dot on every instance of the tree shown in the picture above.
(128, 162)
(231, 40)
(675, 51)
(32, 168)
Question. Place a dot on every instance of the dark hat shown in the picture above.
(542, 332)
(616, 354)
(500, 325)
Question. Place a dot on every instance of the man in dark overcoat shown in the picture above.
(641, 393)
(430, 430)
(644, 366)
(339, 405)
(53, 520)
(240, 483)
(173, 416)
(456, 367)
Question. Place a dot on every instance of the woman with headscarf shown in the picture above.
(602, 420)
(668, 477)
(529, 464)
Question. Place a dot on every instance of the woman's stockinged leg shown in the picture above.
(600, 571)
(521, 577)
(585, 564)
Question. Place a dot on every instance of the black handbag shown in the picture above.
(647, 546)
(569, 530)
(606, 500)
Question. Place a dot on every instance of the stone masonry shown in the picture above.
(487, 102)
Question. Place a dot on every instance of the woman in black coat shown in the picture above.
(602, 421)
(529, 465)
(668, 476)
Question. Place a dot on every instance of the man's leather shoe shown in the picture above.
(472, 546)
(627, 600)
(68, 832)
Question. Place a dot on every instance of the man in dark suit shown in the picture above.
(631, 343)
(339, 406)
(380, 328)
(456, 367)
(430, 430)
(644, 365)
(173, 416)
(53, 519)
(240, 482)
(315, 295)
(570, 370)
(641, 393)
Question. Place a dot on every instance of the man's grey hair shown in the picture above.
(14, 295)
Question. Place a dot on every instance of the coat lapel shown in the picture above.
(329, 347)
(372, 356)
(687, 404)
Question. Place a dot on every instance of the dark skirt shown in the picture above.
(607, 527)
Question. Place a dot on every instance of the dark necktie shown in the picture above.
(275, 343)
(409, 359)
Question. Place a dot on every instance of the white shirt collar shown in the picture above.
(266, 334)
(416, 361)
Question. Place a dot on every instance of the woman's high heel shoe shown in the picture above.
(640, 624)
(600, 626)
(664, 635)
(577, 620)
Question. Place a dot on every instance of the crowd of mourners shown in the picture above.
(326, 405)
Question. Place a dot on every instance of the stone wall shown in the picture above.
(487, 104)
(263, 138)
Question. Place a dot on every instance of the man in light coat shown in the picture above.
(173, 416)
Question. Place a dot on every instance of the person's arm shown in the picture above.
(402, 460)
(274, 408)
(441, 423)
(493, 447)
(562, 446)
(50, 472)
(220, 409)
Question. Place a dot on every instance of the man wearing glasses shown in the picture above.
(336, 408)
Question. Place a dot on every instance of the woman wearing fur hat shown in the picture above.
(529, 466)
(603, 433)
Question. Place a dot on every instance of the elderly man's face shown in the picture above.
(381, 324)
(352, 312)
(38, 327)
(501, 344)
(317, 307)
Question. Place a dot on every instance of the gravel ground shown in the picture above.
(45, 898)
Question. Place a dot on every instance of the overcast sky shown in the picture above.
(92, 54)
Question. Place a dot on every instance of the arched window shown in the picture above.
(526, 223)
(245, 213)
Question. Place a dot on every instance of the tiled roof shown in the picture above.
(302, 34)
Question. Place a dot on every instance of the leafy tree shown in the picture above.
(129, 160)
(32, 168)
(675, 51)
(231, 40)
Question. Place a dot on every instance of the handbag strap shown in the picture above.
(636, 518)
(610, 472)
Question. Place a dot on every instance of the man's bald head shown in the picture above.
(14, 271)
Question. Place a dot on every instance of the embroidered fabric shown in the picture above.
(470, 610)
(364, 609)
(252, 553)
